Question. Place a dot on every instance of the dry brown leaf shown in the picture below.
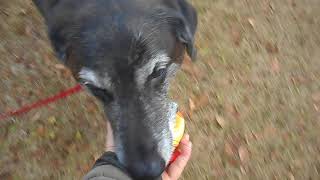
(275, 65)
(236, 36)
(192, 105)
(251, 22)
(189, 68)
(52, 120)
(218, 170)
(60, 67)
(293, 3)
(220, 120)
(231, 153)
(28, 30)
(229, 149)
(41, 131)
(85, 168)
(52, 135)
(271, 48)
(78, 135)
(91, 106)
(231, 109)
(270, 131)
(36, 116)
(243, 170)
(291, 176)
(202, 100)
(243, 154)
(316, 97)
(187, 65)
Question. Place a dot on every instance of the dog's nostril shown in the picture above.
(147, 169)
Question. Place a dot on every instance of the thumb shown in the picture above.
(175, 169)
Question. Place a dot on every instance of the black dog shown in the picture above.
(124, 52)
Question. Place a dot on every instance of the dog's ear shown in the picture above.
(59, 43)
(56, 31)
(45, 6)
(186, 26)
(185, 36)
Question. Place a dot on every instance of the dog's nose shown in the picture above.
(149, 168)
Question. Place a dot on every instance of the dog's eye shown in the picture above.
(103, 94)
(157, 73)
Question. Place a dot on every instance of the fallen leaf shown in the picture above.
(231, 153)
(236, 36)
(36, 116)
(249, 137)
(189, 68)
(78, 135)
(291, 176)
(293, 3)
(270, 131)
(231, 109)
(192, 105)
(243, 154)
(218, 170)
(271, 6)
(229, 149)
(197, 102)
(6, 175)
(56, 163)
(28, 30)
(85, 168)
(316, 97)
(220, 120)
(52, 120)
(52, 135)
(243, 170)
(202, 101)
(271, 48)
(41, 131)
(71, 147)
(275, 65)
(60, 67)
(91, 107)
(187, 65)
(251, 22)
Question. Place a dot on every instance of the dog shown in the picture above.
(125, 52)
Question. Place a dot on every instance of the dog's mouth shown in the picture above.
(166, 145)
(172, 116)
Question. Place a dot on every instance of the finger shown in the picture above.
(185, 139)
(175, 169)
(109, 139)
(165, 176)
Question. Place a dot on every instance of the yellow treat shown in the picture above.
(178, 129)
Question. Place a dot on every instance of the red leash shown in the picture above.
(43, 102)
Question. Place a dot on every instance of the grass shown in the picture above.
(258, 67)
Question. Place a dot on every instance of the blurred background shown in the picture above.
(251, 101)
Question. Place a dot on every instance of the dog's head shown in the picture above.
(125, 53)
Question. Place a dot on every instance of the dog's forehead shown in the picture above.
(103, 79)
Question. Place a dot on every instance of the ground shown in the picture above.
(251, 100)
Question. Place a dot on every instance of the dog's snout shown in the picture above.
(150, 167)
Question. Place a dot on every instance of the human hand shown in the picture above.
(175, 169)
(110, 143)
